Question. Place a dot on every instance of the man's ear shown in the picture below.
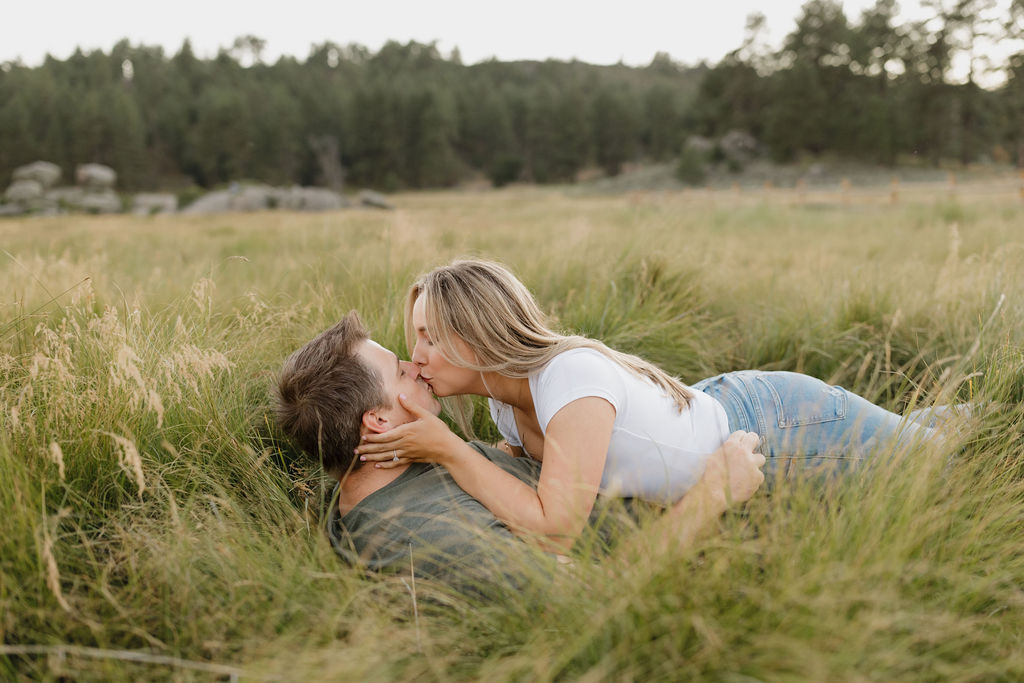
(376, 422)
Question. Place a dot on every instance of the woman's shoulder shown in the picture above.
(578, 359)
(573, 374)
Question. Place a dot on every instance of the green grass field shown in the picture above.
(154, 528)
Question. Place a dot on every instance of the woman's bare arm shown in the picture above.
(575, 448)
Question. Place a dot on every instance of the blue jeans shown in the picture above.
(801, 420)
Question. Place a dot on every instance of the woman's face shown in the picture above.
(443, 378)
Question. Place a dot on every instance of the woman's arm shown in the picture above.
(575, 448)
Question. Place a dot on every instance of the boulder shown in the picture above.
(375, 200)
(259, 197)
(738, 146)
(699, 144)
(24, 191)
(43, 172)
(310, 199)
(211, 202)
(254, 198)
(95, 176)
(148, 203)
(237, 198)
(11, 210)
(100, 202)
(68, 196)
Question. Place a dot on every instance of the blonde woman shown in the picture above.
(598, 420)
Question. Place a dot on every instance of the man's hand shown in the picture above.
(425, 439)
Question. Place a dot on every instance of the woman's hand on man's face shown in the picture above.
(425, 439)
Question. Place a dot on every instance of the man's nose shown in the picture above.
(412, 369)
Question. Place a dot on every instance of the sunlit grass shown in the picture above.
(149, 509)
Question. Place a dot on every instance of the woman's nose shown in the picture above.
(418, 357)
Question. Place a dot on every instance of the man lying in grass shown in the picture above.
(342, 385)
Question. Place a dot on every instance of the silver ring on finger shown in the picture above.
(395, 459)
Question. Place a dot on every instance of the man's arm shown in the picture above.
(731, 476)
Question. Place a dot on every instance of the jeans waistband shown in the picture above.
(741, 405)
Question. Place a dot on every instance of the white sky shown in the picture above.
(598, 32)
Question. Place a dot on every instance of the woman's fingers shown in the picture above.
(380, 451)
(383, 456)
(389, 464)
(382, 437)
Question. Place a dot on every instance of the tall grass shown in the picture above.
(154, 526)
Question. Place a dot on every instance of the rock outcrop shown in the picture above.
(34, 190)
(43, 172)
(260, 197)
(95, 177)
(375, 200)
(149, 203)
(24, 191)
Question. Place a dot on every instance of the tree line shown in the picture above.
(407, 116)
(874, 89)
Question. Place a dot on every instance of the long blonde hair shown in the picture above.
(485, 305)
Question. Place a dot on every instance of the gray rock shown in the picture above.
(100, 202)
(148, 203)
(699, 143)
(375, 200)
(69, 196)
(260, 197)
(310, 199)
(24, 191)
(11, 210)
(255, 198)
(43, 172)
(211, 202)
(95, 176)
(237, 198)
(738, 145)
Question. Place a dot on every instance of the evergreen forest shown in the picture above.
(870, 88)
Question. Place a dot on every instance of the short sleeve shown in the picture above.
(574, 375)
(505, 421)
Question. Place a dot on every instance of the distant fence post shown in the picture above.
(1022, 183)
(951, 179)
(801, 190)
(844, 186)
(894, 190)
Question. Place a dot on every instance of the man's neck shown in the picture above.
(361, 482)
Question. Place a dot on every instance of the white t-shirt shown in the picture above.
(656, 452)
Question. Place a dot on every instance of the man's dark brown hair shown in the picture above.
(322, 392)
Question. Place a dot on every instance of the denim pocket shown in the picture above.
(803, 400)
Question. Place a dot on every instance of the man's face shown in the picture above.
(400, 377)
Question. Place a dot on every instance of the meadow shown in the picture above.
(155, 526)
